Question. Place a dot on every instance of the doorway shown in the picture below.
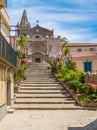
(88, 66)
(8, 97)
(37, 59)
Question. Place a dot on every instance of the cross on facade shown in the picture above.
(37, 21)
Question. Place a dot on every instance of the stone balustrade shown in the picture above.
(91, 78)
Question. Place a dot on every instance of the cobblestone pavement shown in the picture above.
(50, 120)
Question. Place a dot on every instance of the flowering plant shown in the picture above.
(92, 88)
(23, 60)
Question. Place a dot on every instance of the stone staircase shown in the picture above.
(41, 91)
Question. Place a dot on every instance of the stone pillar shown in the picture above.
(0, 85)
(12, 86)
(10, 79)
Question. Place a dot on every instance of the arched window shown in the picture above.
(37, 36)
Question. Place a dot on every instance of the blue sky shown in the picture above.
(74, 19)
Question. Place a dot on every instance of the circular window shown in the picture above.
(37, 30)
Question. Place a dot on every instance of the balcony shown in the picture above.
(3, 3)
(6, 52)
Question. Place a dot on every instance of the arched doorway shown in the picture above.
(37, 57)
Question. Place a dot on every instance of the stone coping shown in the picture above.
(1, 105)
(76, 96)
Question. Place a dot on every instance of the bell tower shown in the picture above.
(24, 26)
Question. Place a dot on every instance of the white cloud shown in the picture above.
(65, 21)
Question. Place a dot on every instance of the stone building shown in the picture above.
(42, 43)
(7, 62)
(85, 55)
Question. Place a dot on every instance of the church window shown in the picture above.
(37, 36)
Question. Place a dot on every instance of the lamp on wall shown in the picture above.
(69, 57)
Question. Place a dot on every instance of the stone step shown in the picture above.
(44, 101)
(40, 76)
(42, 91)
(41, 81)
(54, 93)
(41, 88)
(38, 68)
(43, 71)
(47, 107)
(38, 73)
(38, 84)
(38, 65)
(22, 95)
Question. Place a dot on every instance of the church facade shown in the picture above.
(42, 43)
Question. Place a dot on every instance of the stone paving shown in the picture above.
(50, 120)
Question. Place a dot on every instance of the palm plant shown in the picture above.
(66, 51)
(64, 42)
(22, 42)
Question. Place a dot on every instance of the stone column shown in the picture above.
(12, 86)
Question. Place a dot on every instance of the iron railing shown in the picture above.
(6, 51)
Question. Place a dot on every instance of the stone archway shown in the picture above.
(37, 57)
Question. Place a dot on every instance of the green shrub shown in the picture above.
(59, 75)
(70, 75)
(58, 66)
(83, 88)
(20, 73)
(74, 85)
(90, 98)
(81, 76)
(71, 65)
(54, 66)
(63, 70)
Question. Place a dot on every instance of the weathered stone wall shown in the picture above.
(91, 78)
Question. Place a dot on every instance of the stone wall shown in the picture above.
(6, 86)
(3, 111)
(91, 78)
